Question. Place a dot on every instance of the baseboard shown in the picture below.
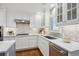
(17, 50)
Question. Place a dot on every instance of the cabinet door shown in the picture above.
(32, 41)
(59, 12)
(70, 13)
(18, 43)
(21, 42)
(11, 20)
(43, 46)
(24, 42)
(2, 17)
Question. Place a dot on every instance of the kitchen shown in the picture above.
(39, 29)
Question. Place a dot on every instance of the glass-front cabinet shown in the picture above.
(67, 13)
(71, 11)
(59, 12)
(64, 14)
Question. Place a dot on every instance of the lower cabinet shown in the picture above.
(32, 41)
(26, 42)
(5, 38)
(43, 45)
(21, 42)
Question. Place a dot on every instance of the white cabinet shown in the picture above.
(2, 17)
(59, 13)
(26, 42)
(5, 38)
(71, 13)
(21, 42)
(6, 18)
(43, 45)
(10, 19)
(32, 41)
(67, 13)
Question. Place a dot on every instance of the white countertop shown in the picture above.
(70, 47)
(5, 45)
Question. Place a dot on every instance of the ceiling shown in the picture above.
(27, 7)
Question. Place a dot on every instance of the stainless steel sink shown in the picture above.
(49, 37)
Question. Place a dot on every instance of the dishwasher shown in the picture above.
(55, 50)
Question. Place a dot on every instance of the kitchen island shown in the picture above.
(7, 48)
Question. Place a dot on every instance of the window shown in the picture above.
(71, 11)
(53, 20)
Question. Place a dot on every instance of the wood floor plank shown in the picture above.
(31, 52)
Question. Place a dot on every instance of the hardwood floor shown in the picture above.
(31, 52)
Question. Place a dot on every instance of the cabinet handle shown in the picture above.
(62, 51)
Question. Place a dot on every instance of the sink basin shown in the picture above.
(49, 37)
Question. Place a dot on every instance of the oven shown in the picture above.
(1, 33)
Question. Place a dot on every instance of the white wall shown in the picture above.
(12, 15)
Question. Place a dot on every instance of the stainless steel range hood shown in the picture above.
(22, 21)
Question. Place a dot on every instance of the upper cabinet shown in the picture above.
(41, 19)
(59, 12)
(67, 13)
(6, 19)
(71, 11)
(2, 17)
